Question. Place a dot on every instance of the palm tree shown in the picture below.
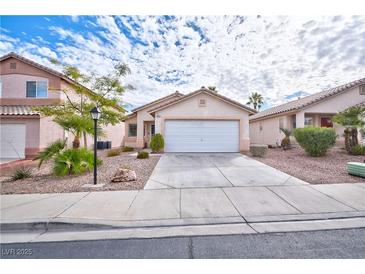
(77, 125)
(213, 88)
(352, 119)
(256, 100)
(285, 143)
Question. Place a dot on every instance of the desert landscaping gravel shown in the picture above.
(44, 182)
(330, 169)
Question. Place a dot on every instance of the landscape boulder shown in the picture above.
(258, 150)
(124, 175)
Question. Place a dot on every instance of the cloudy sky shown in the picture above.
(280, 57)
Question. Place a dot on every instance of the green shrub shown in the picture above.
(142, 154)
(74, 161)
(50, 151)
(114, 152)
(358, 150)
(127, 149)
(21, 173)
(157, 143)
(315, 140)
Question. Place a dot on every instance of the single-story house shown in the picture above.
(314, 110)
(201, 121)
(24, 84)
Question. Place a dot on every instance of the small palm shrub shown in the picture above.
(127, 149)
(315, 140)
(142, 154)
(157, 143)
(285, 143)
(50, 151)
(74, 161)
(358, 150)
(114, 152)
(21, 173)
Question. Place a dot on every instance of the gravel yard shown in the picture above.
(44, 182)
(329, 169)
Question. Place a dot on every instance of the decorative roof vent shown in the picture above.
(202, 102)
(12, 65)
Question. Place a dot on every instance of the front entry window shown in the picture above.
(308, 121)
(152, 130)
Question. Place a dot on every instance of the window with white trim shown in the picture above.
(37, 89)
(152, 130)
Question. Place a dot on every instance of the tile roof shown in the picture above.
(35, 64)
(203, 89)
(17, 111)
(177, 94)
(306, 101)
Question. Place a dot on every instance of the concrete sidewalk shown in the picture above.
(189, 206)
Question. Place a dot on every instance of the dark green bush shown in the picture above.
(142, 154)
(74, 161)
(315, 140)
(21, 173)
(358, 150)
(157, 143)
(114, 152)
(127, 149)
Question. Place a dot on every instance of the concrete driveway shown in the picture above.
(189, 170)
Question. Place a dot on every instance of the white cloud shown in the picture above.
(275, 56)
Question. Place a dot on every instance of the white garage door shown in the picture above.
(12, 141)
(201, 136)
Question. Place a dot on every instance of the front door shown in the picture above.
(326, 122)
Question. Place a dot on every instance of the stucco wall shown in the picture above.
(268, 131)
(115, 134)
(49, 132)
(14, 86)
(215, 109)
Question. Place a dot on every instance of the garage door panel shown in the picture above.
(12, 141)
(201, 136)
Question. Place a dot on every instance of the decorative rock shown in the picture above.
(124, 175)
(258, 150)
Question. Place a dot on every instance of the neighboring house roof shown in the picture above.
(207, 91)
(306, 101)
(175, 94)
(17, 111)
(37, 65)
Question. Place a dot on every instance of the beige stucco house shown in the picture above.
(23, 84)
(201, 121)
(313, 110)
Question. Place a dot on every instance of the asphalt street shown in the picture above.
(344, 243)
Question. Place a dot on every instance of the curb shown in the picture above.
(60, 231)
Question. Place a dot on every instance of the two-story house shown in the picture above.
(23, 84)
